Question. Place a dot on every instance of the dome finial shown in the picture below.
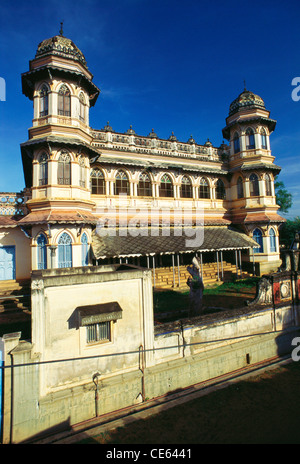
(61, 32)
(245, 86)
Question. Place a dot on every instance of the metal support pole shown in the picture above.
(201, 263)
(218, 264)
(148, 263)
(173, 270)
(178, 267)
(221, 253)
(153, 262)
(236, 263)
(253, 261)
(240, 259)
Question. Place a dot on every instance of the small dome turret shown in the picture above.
(246, 100)
(61, 46)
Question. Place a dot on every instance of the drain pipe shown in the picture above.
(142, 369)
(95, 380)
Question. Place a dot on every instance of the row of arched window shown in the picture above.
(250, 140)
(64, 251)
(63, 103)
(144, 187)
(254, 186)
(258, 237)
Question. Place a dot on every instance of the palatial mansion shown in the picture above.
(85, 185)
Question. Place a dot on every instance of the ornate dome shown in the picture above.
(60, 45)
(246, 100)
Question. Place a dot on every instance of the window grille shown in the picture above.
(64, 101)
(220, 190)
(186, 189)
(254, 185)
(144, 188)
(97, 182)
(64, 169)
(204, 191)
(166, 187)
(100, 331)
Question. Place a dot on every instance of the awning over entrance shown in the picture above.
(147, 242)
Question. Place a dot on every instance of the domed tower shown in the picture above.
(253, 202)
(56, 158)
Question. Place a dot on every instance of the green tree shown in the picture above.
(287, 231)
(284, 199)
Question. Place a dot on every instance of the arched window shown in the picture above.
(236, 143)
(81, 172)
(84, 250)
(220, 190)
(64, 101)
(240, 188)
(186, 189)
(250, 141)
(144, 187)
(166, 186)
(43, 101)
(263, 138)
(97, 182)
(122, 183)
(272, 236)
(81, 107)
(43, 169)
(204, 191)
(268, 185)
(64, 169)
(41, 252)
(254, 186)
(257, 236)
(64, 250)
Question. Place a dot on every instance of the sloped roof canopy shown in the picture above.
(144, 242)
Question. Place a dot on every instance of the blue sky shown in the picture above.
(163, 64)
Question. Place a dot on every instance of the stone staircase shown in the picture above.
(164, 275)
(15, 297)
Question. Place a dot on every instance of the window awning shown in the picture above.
(147, 244)
(93, 314)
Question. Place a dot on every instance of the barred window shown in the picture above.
(166, 186)
(272, 241)
(250, 141)
(81, 172)
(186, 189)
(236, 143)
(43, 169)
(268, 184)
(64, 169)
(122, 183)
(44, 101)
(97, 182)
(254, 185)
(100, 331)
(220, 190)
(64, 101)
(204, 191)
(263, 137)
(240, 188)
(81, 107)
(144, 188)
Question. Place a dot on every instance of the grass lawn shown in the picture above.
(227, 295)
(262, 410)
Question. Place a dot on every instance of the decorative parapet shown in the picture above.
(154, 145)
(12, 204)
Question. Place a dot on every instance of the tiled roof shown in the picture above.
(58, 216)
(154, 241)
